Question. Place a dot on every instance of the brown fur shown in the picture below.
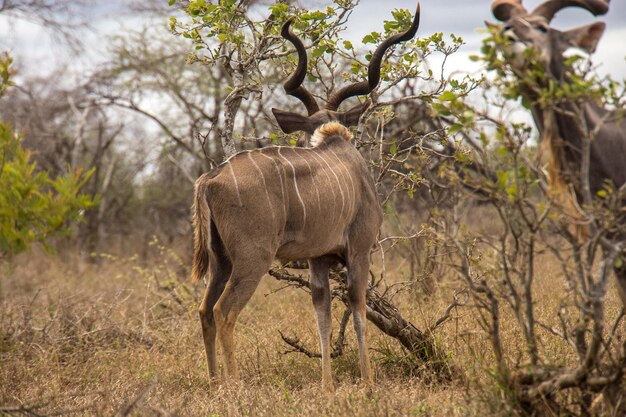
(288, 203)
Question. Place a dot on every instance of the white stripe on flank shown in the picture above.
(329, 181)
(343, 198)
(232, 172)
(295, 183)
(280, 177)
(227, 160)
(322, 169)
(317, 191)
(347, 174)
(267, 194)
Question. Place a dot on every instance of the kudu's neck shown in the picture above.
(567, 114)
(565, 118)
(559, 131)
(563, 126)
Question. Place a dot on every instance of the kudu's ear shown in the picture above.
(293, 122)
(351, 116)
(585, 37)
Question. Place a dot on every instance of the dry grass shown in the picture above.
(124, 338)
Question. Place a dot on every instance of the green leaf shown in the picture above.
(371, 37)
(503, 178)
(447, 96)
(172, 22)
(279, 9)
(318, 51)
(391, 25)
(455, 128)
(511, 191)
(393, 149)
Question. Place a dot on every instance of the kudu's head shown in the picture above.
(532, 30)
(291, 122)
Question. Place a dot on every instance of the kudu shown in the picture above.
(289, 203)
(565, 127)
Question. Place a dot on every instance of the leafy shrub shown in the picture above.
(33, 205)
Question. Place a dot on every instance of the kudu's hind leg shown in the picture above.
(320, 292)
(244, 279)
(220, 272)
(358, 273)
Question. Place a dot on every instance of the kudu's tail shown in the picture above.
(202, 232)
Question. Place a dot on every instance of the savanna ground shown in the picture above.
(122, 337)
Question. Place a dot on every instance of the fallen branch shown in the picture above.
(298, 346)
(380, 312)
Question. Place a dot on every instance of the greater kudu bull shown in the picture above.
(290, 203)
(565, 127)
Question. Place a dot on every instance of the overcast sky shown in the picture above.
(36, 50)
